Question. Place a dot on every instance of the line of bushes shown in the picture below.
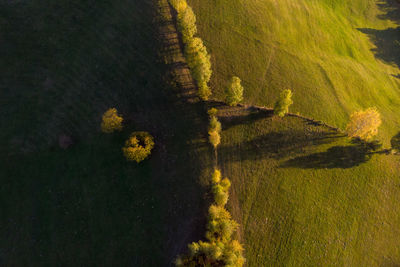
(220, 248)
(196, 54)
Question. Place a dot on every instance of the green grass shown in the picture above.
(63, 64)
(336, 56)
(303, 195)
(307, 196)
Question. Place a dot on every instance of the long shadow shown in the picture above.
(277, 145)
(387, 41)
(335, 157)
(249, 118)
(395, 141)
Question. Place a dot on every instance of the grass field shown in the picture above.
(63, 63)
(307, 196)
(303, 195)
(336, 56)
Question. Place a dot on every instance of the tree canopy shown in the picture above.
(281, 107)
(111, 121)
(364, 124)
(234, 93)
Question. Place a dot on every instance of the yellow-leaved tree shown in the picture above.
(364, 124)
(138, 146)
(111, 121)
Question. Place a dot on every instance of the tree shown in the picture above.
(138, 146)
(214, 138)
(219, 249)
(283, 103)
(187, 24)
(214, 130)
(364, 124)
(179, 5)
(200, 65)
(212, 112)
(234, 93)
(111, 121)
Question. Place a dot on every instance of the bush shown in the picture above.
(138, 146)
(282, 105)
(234, 93)
(364, 124)
(111, 121)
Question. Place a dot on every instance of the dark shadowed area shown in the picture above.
(67, 194)
(387, 41)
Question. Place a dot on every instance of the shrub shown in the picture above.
(282, 105)
(111, 121)
(138, 146)
(364, 124)
(234, 93)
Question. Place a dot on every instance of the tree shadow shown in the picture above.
(395, 141)
(387, 41)
(278, 145)
(250, 117)
(343, 157)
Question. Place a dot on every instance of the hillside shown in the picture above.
(307, 196)
(304, 195)
(64, 63)
(336, 56)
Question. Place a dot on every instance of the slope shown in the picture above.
(336, 56)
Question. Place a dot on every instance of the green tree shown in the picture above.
(200, 65)
(364, 124)
(187, 24)
(234, 93)
(281, 107)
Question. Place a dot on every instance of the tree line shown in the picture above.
(220, 248)
(195, 51)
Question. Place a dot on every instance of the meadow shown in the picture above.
(336, 56)
(303, 194)
(63, 64)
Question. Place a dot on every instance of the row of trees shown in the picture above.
(196, 53)
(220, 248)
(139, 145)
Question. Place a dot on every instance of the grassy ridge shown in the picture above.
(63, 64)
(336, 56)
